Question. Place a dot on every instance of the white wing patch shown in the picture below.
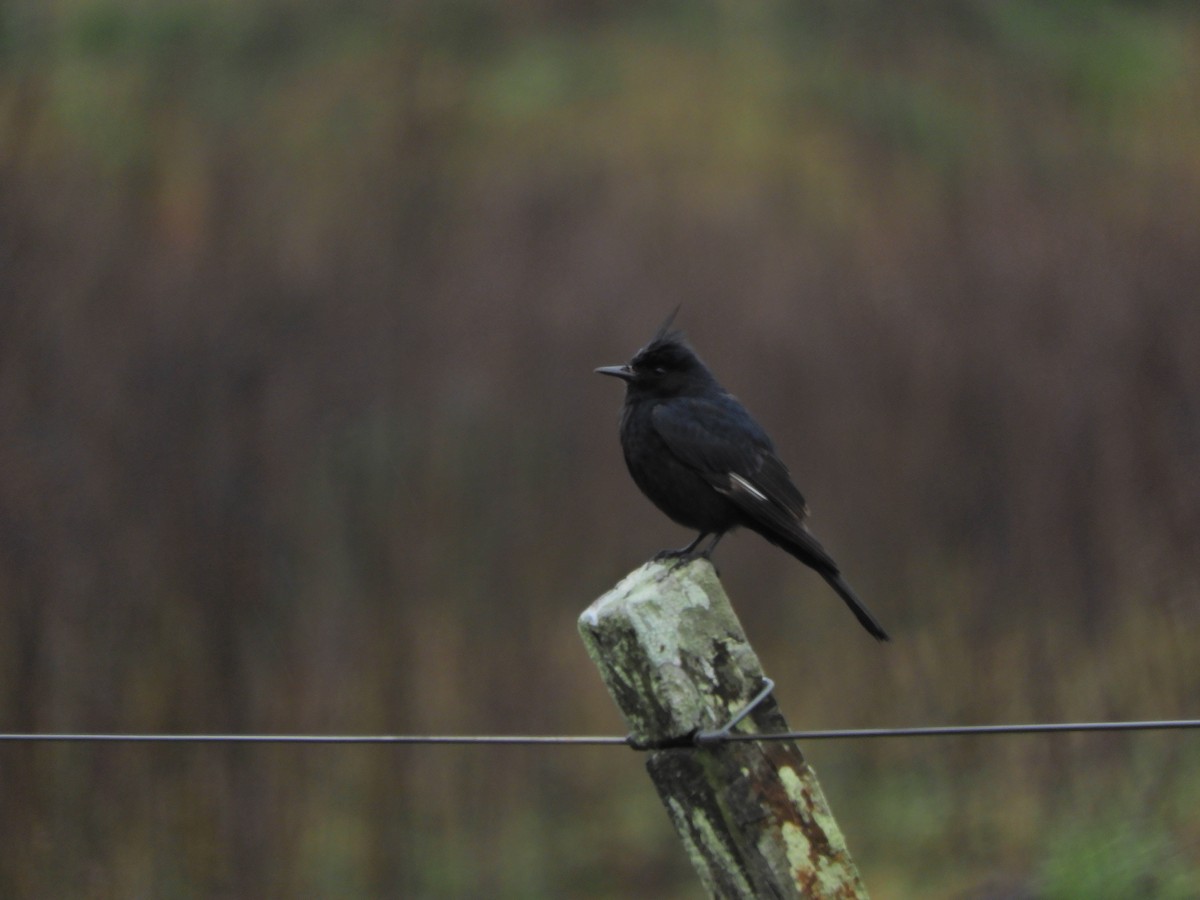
(739, 482)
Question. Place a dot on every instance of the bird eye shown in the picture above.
(660, 370)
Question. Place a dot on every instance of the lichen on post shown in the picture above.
(751, 814)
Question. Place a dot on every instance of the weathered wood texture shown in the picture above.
(751, 814)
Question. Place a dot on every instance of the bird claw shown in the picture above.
(685, 554)
(676, 558)
(678, 555)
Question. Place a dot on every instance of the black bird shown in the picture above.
(700, 457)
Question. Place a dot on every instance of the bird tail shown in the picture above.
(838, 583)
(799, 541)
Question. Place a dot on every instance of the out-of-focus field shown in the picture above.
(299, 305)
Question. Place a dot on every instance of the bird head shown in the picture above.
(665, 367)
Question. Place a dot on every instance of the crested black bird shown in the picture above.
(700, 457)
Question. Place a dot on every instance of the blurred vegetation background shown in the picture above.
(300, 307)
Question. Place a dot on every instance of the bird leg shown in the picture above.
(688, 553)
(707, 553)
(683, 554)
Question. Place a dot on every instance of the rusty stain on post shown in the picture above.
(751, 816)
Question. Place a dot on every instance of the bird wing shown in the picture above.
(720, 441)
(709, 436)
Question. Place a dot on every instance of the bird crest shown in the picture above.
(665, 337)
(664, 330)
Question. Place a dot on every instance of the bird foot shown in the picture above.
(683, 556)
(676, 558)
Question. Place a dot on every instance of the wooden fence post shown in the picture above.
(750, 813)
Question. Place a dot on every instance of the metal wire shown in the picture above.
(598, 740)
(972, 730)
(495, 739)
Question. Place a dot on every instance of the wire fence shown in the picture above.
(602, 740)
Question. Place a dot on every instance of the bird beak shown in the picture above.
(625, 373)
